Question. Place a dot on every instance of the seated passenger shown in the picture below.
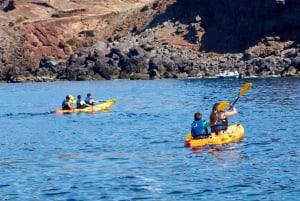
(81, 103)
(218, 119)
(89, 100)
(199, 127)
(67, 103)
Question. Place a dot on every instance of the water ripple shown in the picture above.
(136, 151)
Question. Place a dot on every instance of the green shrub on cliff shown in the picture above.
(19, 20)
(71, 41)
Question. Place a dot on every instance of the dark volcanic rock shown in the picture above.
(10, 6)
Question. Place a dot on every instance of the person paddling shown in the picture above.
(219, 119)
(89, 100)
(81, 103)
(199, 127)
(67, 103)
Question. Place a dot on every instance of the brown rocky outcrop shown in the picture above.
(147, 39)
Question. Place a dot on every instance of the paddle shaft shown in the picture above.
(235, 100)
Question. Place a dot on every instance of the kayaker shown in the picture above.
(199, 127)
(89, 100)
(81, 103)
(218, 119)
(67, 103)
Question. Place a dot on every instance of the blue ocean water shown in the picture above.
(135, 151)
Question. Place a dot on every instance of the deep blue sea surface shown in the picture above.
(135, 151)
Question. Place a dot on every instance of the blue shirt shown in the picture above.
(87, 100)
(198, 128)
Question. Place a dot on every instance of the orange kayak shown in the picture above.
(232, 134)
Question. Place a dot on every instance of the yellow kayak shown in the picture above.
(99, 107)
(232, 134)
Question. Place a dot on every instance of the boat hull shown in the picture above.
(99, 107)
(234, 133)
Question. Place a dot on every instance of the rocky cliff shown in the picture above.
(147, 39)
(234, 26)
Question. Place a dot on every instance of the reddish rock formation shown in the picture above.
(58, 28)
(42, 39)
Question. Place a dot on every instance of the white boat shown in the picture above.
(228, 75)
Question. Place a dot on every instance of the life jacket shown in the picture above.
(87, 100)
(197, 129)
(221, 125)
(80, 104)
(64, 105)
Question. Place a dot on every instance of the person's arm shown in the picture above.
(87, 105)
(69, 105)
(231, 112)
(205, 124)
(94, 101)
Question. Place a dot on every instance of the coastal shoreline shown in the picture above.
(147, 39)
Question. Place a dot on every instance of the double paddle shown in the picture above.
(223, 105)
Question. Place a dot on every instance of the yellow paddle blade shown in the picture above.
(72, 99)
(245, 88)
(222, 105)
